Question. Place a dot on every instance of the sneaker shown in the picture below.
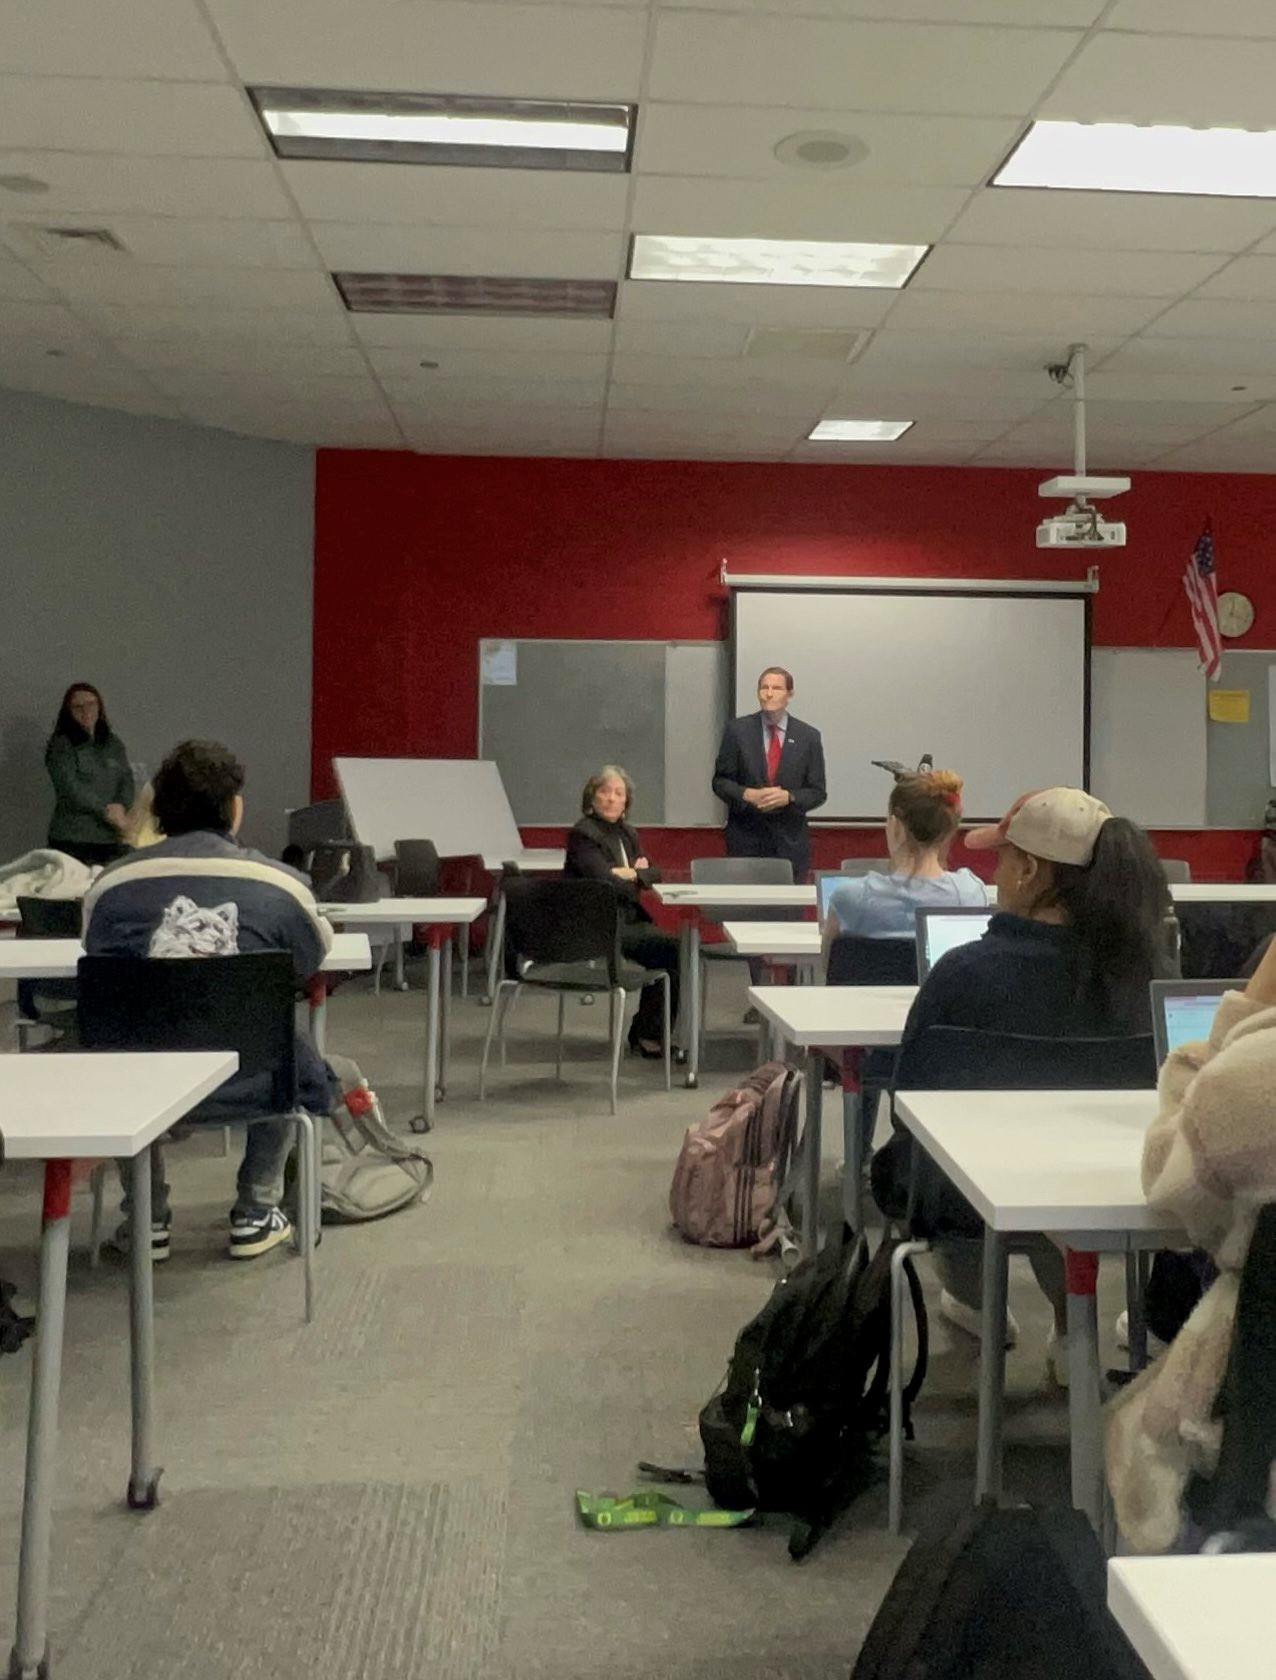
(971, 1320)
(122, 1242)
(1057, 1358)
(252, 1234)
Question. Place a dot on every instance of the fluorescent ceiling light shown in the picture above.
(445, 129)
(772, 262)
(859, 431)
(472, 294)
(1128, 157)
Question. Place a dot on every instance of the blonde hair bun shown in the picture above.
(942, 781)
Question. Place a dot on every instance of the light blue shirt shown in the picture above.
(878, 906)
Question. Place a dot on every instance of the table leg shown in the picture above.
(445, 1014)
(691, 977)
(496, 948)
(143, 1483)
(811, 1150)
(432, 1035)
(852, 1140)
(30, 1655)
(400, 982)
(1085, 1423)
(319, 1015)
(992, 1368)
(1136, 1320)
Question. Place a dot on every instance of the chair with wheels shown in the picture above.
(931, 1209)
(864, 1076)
(564, 937)
(864, 866)
(47, 1003)
(735, 872)
(243, 1003)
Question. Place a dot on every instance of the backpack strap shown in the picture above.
(648, 1509)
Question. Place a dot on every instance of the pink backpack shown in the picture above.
(732, 1165)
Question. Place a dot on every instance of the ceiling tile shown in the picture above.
(402, 367)
(42, 325)
(1167, 79)
(831, 207)
(455, 398)
(235, 288)
(1232, 359)
(1068, 317)
(882, 397)
(745, 400)
(473, 332)
(915, 151)
(209, 325)
(162, 119)
(1198, 317)
(1188, 17)
(1107, 221)
(670, 338)
(533, 253)
(248, 359)
(148, 186)
(1013, 373)
(103, 375)
(990, 269)
(772, 373)
(447, 46)
(1134, 384)
(1247, 280)
(152, 38)
(1078, 13)
(809, 63)
(329, 393)
(170, 240)
(396, 192)
(945, 354)
(767, 306)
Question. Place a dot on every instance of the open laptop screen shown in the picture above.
(939, 931)
(827, 882)
(1183, 1011)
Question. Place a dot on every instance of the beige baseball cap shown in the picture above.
(1060, 824)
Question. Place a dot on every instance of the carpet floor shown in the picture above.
(389, 1492)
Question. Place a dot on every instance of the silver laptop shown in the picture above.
(1183, 1011)
(943, 930)
(827, 882)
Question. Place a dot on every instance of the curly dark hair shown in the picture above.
(195, 788)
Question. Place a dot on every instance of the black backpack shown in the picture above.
(807, 1392)
(989, 1594)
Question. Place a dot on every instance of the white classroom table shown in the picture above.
(58, 959)
(849, 1019)
(689, 899)
(58, 1109)
(1066, 1164)
(789, 942)
(441, 915)
(1197, 1618)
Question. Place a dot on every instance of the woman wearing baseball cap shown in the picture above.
(1078, 934)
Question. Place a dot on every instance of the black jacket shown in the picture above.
(742, 764)
(595, 847)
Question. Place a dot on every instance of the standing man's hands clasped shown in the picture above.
(767, 798)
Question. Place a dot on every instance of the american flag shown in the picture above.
(1201, 584)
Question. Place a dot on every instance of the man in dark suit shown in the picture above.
(770, 774)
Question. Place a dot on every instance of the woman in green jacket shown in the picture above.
(92, 780)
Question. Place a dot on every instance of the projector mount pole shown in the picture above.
(1072, 374)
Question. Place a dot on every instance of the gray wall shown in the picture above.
(172, 567)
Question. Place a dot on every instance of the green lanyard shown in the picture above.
(649, 1509)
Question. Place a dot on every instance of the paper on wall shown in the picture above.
(498, 664)
(1229, 705)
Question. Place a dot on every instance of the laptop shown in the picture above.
(827, 882)
(1183, 1011)
(943, 930)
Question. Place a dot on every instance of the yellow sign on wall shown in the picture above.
(1229, 705)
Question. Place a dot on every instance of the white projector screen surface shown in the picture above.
(993, 686)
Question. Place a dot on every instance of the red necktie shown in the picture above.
(773, 755)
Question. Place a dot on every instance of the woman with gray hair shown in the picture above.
(604, 846)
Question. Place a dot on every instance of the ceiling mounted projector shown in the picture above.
(1079, 525)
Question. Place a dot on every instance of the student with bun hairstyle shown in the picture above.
(1078, 934)
(922, 815)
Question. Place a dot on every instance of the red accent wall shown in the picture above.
(418, 557)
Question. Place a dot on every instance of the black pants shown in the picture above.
(91, 853)
(650, 948)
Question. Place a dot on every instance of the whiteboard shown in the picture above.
(458, 803)
(1148, 735)
(994, 686)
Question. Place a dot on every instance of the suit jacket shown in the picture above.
(742, 764)
(594, 850)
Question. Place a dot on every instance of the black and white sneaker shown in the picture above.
(122, 1241)
(252, 1234)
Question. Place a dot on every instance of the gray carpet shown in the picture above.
(389, 1491)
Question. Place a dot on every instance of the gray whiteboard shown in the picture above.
(553, 712)
(1239, 778)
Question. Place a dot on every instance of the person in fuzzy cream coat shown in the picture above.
(1209, 1163)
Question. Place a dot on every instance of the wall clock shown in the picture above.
(1235, 613)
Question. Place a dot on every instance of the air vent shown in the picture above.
(815, 343)
(64, 241)
(468, 294)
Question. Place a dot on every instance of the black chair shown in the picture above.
(910, 1189)
(854, 961)
(563, 936)
(735, 872)
(47, 1003)
(864, 866)
(243, 1003)
(1176, 869)
(416, 869)
(311, 825)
